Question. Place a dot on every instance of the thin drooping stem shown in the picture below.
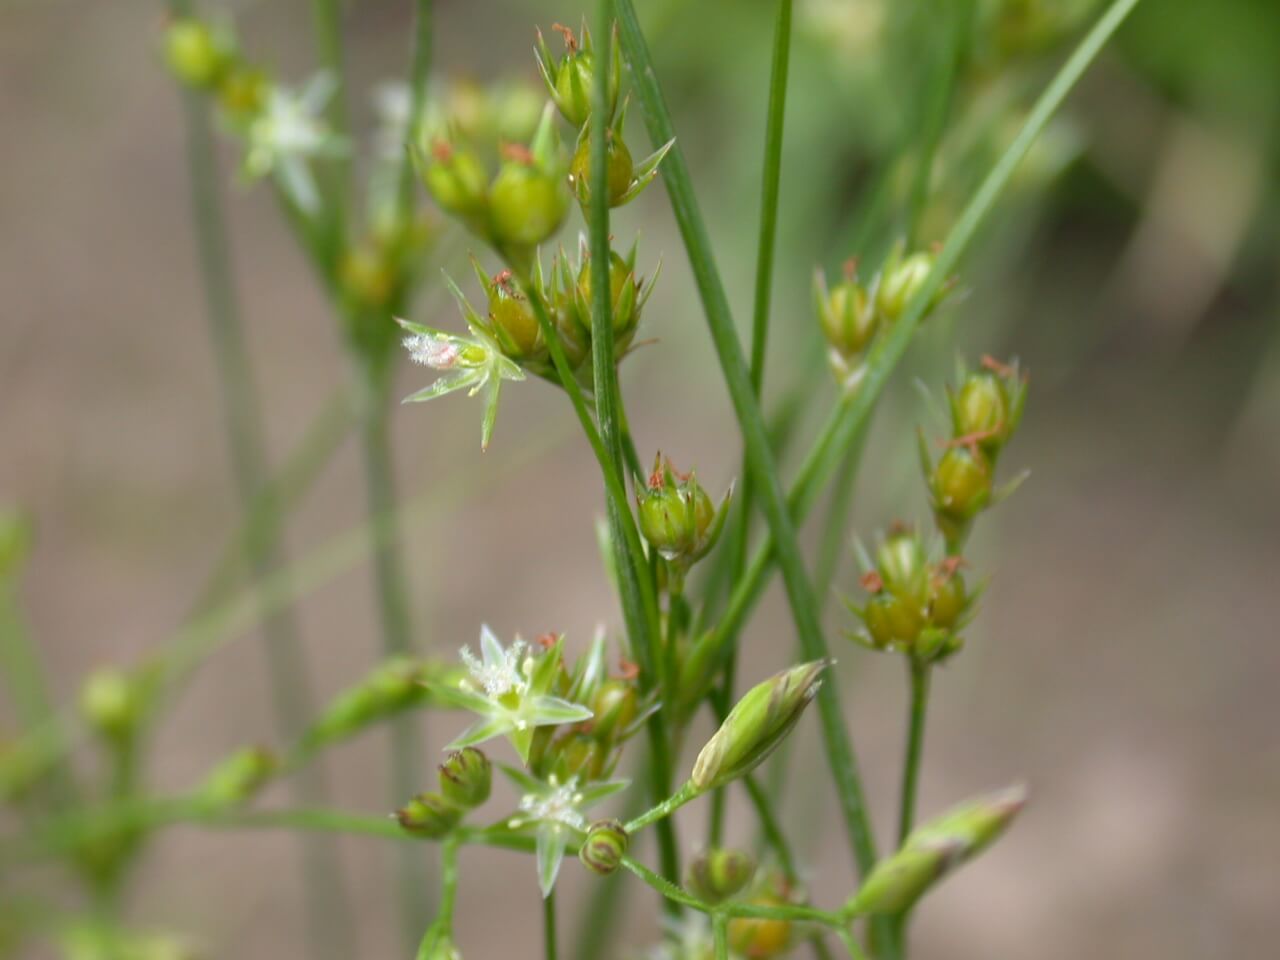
(769, 190)
(919, 681)
(549, 950)
(289, 673)
(393, 614)
(799, 589)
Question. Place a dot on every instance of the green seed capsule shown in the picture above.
(196, 53)
(604, 847)
(110, 702)
(465, 778)
(526, 206)
(457, 180)
(902, 565)
(846, 314)
(618, 169)
(961, 483)
(947, 601)
(981, 410)
(514, 319)
(614, 708)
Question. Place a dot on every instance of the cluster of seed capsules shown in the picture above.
(918, 602)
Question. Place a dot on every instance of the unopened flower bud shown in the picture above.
(757, 938)
(845, 312)
(900, 280)
(604, 847)
(570, 79)
(718, 874)
(757, 724)
(111, 702)
(239, 776)
(429, 815)
(465, 778)
(677, 516)
(933, 850)
(198, 54)
(392, 686)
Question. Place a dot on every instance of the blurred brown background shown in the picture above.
(1126, 660)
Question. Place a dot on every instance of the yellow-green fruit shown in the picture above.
(719, 874)
(614, 708)
(618, 171)
(755, 938)
(981, 409)
(624, 318)
(526, 207)
(457, 180)
(947, 601)
(195, 54)
(847, 320)
(902, 565)
(962, 482)
(512, 314)
(243, 91)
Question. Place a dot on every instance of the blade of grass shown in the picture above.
(733, 365)
(608, 400)
(765, 246)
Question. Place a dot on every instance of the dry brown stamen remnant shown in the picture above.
(570, 41)
(628, 670)
(517, 153)
(872, 582)
(442, 151)
(851, 269)
(971, 440)
(995, 366)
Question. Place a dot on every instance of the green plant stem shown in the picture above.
(279, 495)
(664, 809)
(20, 664)
(720, 934)
(326, 20)
(919, 674)
(711, 290)
(393, 613)
(448, 897)
(549, 950)
(765, 247)
(287, 668)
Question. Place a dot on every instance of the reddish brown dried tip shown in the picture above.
(995, 366)
(872, 582)
(628, 670)
(570, 41)
(971, 440)
(546, 640)
(851, 268)
(442, 151)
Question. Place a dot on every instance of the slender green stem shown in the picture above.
(711, 289)
(549, 950)
(720, 934)
(20, 664)
(393, 612)
(665, 808)
(442, 926)
(765, 247)
(287, 668)
(326, 20)
(919, 680)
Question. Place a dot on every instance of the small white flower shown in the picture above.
(556, 810)
(500, 671)
(288, 132)
(432, 351)
(508, 688)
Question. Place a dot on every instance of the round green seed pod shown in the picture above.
(605, 846)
